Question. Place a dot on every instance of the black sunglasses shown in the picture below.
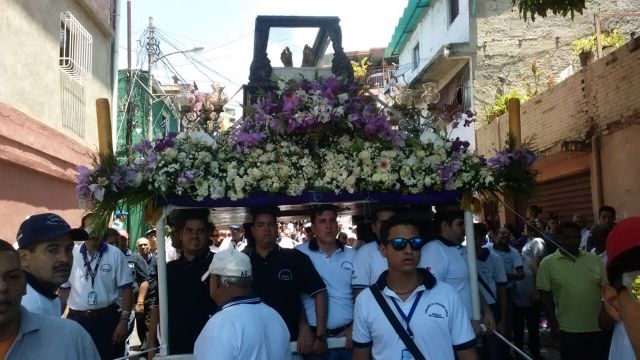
(398, 243)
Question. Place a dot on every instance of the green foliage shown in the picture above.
(360, 69)
(612, 38)
(501, 104)
(584, 45)
(533, 8)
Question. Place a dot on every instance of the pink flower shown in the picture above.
(384, 165)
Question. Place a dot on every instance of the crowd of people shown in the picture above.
(400, 288)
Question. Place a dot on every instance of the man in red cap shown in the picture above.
(622, 294)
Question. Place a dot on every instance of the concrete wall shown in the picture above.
(434, 31)
(29, 71)
(601, 99)
(507, 46)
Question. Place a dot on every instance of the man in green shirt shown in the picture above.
(569, 282)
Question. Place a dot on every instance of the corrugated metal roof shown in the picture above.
(406, 25)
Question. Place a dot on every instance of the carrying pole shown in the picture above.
(162, 285)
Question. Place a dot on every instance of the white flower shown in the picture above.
(429, 136)
(201, 137)
(343, 98)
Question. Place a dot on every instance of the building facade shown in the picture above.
(57, 60)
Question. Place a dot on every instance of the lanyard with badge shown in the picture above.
(406, 354)
(92, 298)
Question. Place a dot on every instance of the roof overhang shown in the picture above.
(406, 25)
(442, 68)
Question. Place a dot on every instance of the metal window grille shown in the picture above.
(74, 107)
(76, 45)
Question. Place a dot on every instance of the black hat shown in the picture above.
(46, 227)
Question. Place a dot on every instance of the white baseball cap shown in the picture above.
(229, 262)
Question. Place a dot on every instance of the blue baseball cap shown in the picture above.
(46, 227)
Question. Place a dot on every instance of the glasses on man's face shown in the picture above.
(631, 281)
(399, 243)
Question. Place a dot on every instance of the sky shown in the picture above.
(225, 29)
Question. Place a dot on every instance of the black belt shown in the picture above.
(333, 332)
(93, 313)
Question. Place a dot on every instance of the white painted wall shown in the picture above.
(434, 31)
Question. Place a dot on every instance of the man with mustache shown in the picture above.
(45, 246)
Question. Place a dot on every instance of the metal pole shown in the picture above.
(471, 264)
(114, 75)
(151, 53)
(162, 285)
(596, 19)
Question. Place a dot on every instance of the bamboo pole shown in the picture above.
(103, 114)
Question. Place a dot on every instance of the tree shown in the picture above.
(533, 8)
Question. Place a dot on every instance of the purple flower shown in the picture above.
(83, 192)
(186, 177)
(446, 173)
(458, 145)
(165, 142)
(501, 159)
(249, 139)
(290, 103)
(83, 173)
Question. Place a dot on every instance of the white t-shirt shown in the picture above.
(335, 271)
(620, 344)
(38, 303)
(448, 263)
(534, 248)
(584, 238)
(512, 260)
(244, 328)
(112, 275)
(524, 291)
(369, 264)
(287, 242)
(439, 323)
(491, 270)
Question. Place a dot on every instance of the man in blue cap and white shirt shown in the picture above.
(45, 246)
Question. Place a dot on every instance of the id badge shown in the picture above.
(92, 299)
(406, 355)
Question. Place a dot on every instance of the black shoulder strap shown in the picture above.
(486, 287)
(402, 332)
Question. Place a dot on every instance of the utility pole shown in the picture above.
(128, 119)
(151, 51)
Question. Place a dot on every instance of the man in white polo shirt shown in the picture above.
(45, 245)
(244, 327)
(446, 259)
(99, 278)
(334, 263)
(428, 312)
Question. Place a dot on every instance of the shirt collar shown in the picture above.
(483, 255)
(102, 248)
(39, 287)
(313, 245)
(447, 242)
(429, 280)
(237, 300)
(28, 323)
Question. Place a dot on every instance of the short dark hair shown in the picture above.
(109, 233)
(317, 210)
(6, 246)
(396, 220)
(535, 209)
(271, 210)
(445, 216)
(607, 208)
(384, 208)
(554, 216)
(568, 225)
(193, 214)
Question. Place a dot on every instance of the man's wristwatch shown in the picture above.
(322, 338)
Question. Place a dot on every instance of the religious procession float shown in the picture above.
(315, 137)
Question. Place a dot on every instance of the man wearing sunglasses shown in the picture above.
(430, 311)
(622, 294)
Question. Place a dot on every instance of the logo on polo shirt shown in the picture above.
(437, 310)
(106, 268)
(285, 275)
(346, 265)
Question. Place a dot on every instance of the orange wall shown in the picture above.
(25, 192)
(621, 170)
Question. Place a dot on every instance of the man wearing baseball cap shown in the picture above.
(45, 246)
(622, 294)
(244, 327)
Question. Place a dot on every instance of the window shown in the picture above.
(454, 10)
(75, 48)
(416, 56)
(76, 45)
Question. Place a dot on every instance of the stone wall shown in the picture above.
(507, 46)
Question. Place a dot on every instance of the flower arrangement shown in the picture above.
(271, 151)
